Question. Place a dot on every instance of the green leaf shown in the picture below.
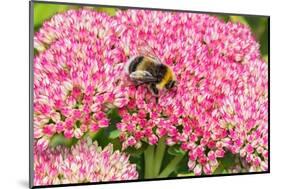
(117, 145)
(175, 150)
(93, 135)
(59, 139)
(114, 118)
(225, 163)
(114, 134)
(102, 137)
(228, 160)
(182, 168)
(171, 166)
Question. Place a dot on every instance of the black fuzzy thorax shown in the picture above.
(161, 70)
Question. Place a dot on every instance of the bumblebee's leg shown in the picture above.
(153, 89)
(137, 83)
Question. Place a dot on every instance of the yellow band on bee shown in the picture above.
(165, 80)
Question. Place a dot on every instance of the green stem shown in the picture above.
(159, 155)
(171, 166)
(149, 160)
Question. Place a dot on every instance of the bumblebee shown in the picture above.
(149, 70)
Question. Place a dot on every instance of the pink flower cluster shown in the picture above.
(221, 99)
(84, 162)
(219, 104)
(75, 79)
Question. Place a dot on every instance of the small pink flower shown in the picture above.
(152, 139)
(131, 141)
(264, 166)
(207, 169)
(78, 133)
(49, 129)
(219, 153)
(42, 143)
(191, 164)
(59, 127)
(198, 169)
(103, 123)
(94, 127)
(249, 149)
(69, 133)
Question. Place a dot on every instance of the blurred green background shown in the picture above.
(258, 24)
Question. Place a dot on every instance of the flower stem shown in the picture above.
(149, 161)
(171, 166)
(159, 155)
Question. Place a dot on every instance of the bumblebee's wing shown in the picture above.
(145, 49)
(142, 76)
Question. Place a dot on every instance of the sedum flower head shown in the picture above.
(75, 80)
(221, 99)
(84, 162)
